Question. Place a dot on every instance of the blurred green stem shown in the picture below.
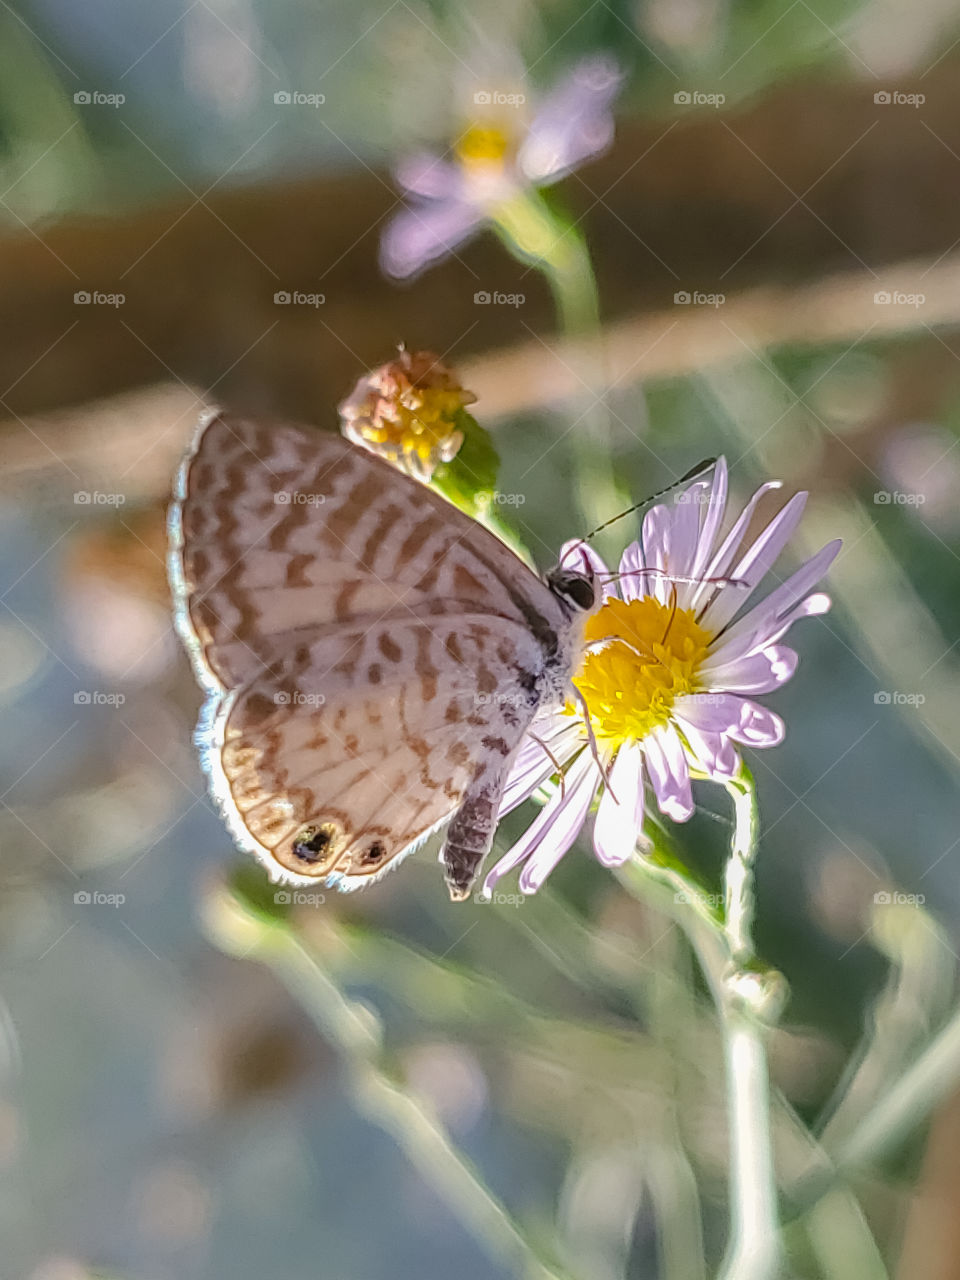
(356, 1031)
(745, 1006)
(535, 233)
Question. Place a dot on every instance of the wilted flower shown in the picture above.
(407, 411)
(497, 159)
(670, 669)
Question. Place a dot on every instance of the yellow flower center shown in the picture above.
(421, 425)
(651, 657)
(482, 147)
(408, 412)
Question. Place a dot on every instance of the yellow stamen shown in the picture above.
(407, 412)
(482, 146)
(651, 657)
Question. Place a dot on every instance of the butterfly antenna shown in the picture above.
(693, 474)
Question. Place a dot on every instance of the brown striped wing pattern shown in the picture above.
(372, 656)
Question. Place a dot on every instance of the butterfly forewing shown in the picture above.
(373, 656)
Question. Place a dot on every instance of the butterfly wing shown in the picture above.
(371, 653)
(277, 529)
(337, 779)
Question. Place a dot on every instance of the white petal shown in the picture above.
(713, 518)
(533, 766)
(555, 827)
(760, 673)
(573, 123)
(759, 727)
(718, 566)
(634, 582)
(669, 774)
(419, 235)
(768, 620)
(752, 567)
(427, 175)
(619, 821)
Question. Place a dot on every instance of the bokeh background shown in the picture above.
(177, 1100)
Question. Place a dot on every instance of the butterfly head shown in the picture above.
(578, 590)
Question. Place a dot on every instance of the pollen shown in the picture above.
(482, 147)
(406, 411)
(642, 655)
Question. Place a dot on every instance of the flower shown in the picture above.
(495, 162)
(407, 411)
(669, 669)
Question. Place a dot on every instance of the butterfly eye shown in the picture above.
(314, 849)
(577, 589)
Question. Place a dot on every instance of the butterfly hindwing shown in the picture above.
(334, 780)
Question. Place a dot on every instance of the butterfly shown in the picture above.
(372, 656)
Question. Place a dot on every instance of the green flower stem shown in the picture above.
(356, 1031)
(533, 232)
(748, 1001)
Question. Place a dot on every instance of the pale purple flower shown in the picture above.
(452, 199)
(672, 665)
